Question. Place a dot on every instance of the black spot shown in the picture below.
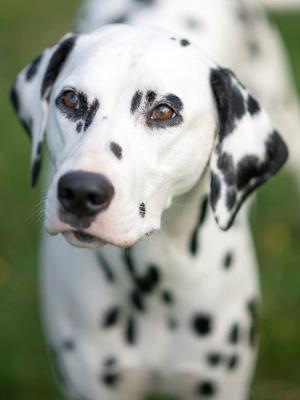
(111, 379)
(150, 97)
(122, 19)
(14, 98)
(252, 105)
(206, 389)
(252, 307)
(229, 100)
(228, 260)
(194, 245)
(111, 317)
(33, 68)
(226, 165)
(215, 190)
(150, 280)
(173, 39)
(254, 48)
(184, 42)
(233, 362)
(92, 111)
(231, 196)
(142, 210)
(136, 101)
(131, 331)
(110, 362)
(234, 334)
(167, 297)
(116, 149)
(202, 324)
(137, 300)
(35, 170)
(214, 359)
(68, 345)
(56, 64)
(107, 269)
(79, 127)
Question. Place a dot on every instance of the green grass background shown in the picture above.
(26, 27)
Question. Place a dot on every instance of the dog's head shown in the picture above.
(133, 117)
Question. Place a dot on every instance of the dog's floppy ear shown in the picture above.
(31, 92)
(248, 149)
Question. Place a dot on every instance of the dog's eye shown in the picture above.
(70, 99)
(163, 112)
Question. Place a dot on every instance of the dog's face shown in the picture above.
(133, 117)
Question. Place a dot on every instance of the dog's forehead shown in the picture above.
(136, 51)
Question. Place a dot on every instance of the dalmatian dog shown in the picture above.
(149, 283)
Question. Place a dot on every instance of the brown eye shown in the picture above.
(70, 99)
(163, 113)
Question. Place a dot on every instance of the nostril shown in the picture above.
(65, 194)
(96, 199)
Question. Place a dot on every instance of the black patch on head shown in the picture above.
(202, 217)
(150, 97)
(79, 127)
(122, 19)
(229, 100)
(202, 324)
(215, 190)
(131, 331)
(214, 359)
(68, 345)
(167, 297)
(111, 379)
(184, 42)
(137, 300)
(92, 111)
(33, 68)
(231, 196)
(116, 149)
(56, 64)
(84, 114)
(252, 106)
(233, 362)
(206, 389)
(234, 334)
(142, 210)
(225, 164)
(136, 101)
(106, 268)
(111, 317)
(228, 260)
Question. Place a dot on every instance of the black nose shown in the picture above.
(84, 194)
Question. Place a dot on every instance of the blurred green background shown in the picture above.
(26, 27)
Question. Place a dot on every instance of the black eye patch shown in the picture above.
(83, 114)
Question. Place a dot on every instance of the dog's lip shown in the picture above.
(83, 239)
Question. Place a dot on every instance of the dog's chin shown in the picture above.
(83, 240)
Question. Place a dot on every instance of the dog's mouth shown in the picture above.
(82, 239)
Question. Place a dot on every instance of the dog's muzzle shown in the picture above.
(84, 194)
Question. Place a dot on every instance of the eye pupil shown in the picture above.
(70, 99)
(163, 113)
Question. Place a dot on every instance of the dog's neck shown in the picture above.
(182, 221)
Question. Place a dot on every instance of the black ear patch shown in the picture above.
(33, 68)
(229, 100)
(248, 152)
(56, 63)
